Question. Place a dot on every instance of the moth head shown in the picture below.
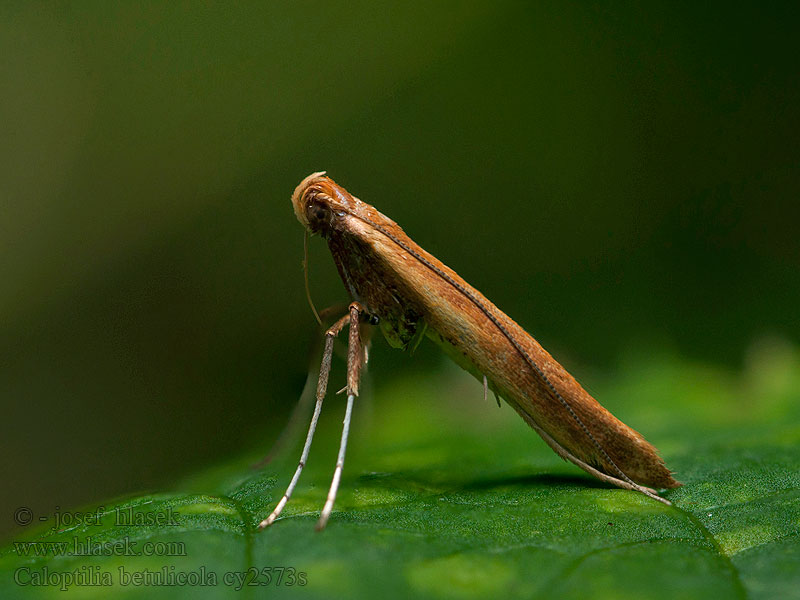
(319, 202)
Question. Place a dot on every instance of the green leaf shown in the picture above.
(445, 496)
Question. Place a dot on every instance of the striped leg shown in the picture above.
(355, 359)
(322, 385)
(291, 430)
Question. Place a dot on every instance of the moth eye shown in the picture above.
(319, 215)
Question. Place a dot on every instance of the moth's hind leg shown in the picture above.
(567, 455)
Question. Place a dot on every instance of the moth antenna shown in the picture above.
(305, 276)
(624, 481)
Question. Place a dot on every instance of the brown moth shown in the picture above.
(409, 294)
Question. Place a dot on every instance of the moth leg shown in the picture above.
(355, 360)
(567, 455)
(322, 385)
(486, 392)
(291, 429)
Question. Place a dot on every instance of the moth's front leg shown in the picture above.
(355, 360)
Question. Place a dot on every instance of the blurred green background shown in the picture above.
(620, 178)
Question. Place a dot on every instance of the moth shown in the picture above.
(409, 294)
